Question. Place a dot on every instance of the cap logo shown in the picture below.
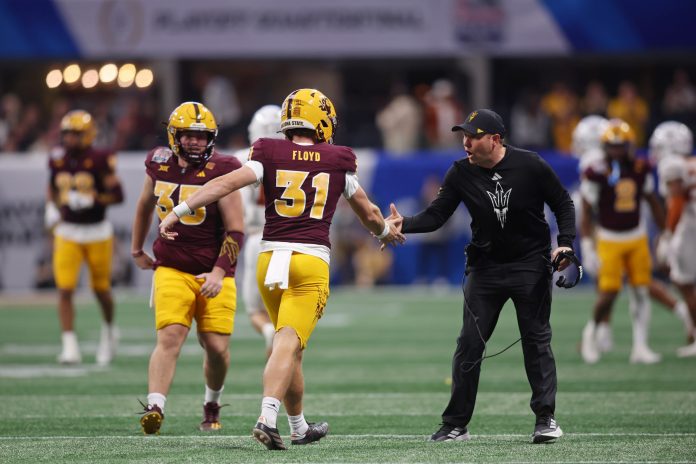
(472, 116)
(479, 131)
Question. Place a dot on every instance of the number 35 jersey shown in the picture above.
(197, 246)
(302, 185)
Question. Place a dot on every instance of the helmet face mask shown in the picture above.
(309, 109)
(191, 117)
(79, 122)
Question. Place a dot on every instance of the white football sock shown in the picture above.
(268, 332)
(69, 339)
(212, 396)
(639, 305)
(156, 399)
(604, 337)
(681, 310)
(269, 410)
(298, 425)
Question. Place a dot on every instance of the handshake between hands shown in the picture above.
(393, 234)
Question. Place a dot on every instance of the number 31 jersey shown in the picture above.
(302, 185)
(197, 246)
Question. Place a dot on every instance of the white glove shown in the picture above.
(662, 248)
(51, 215)
(590, 261)
(78, 201)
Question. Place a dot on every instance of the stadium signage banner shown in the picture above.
(308, 28)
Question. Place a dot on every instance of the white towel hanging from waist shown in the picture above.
(278, 270)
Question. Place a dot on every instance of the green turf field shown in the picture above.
(376, 370)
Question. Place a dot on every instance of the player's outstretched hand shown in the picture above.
(165, 227)
(394, 238)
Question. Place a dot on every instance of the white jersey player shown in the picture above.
(266, 124)
(670, 146)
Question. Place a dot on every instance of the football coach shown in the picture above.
(509, 257)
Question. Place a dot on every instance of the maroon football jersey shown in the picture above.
(620, 196)
(197, 246)
(84, 173)
(301, 184)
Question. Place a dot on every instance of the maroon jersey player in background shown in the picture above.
(82, 184)
(303, 178)
(194, 276)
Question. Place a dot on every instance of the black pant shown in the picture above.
(486, 291)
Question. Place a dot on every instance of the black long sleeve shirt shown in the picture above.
(506, 204)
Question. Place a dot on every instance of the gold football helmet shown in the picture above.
(80, 121)
(191, 116)
(309, 109)
(618, 132)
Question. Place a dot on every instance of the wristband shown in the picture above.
(229, 251)
(137, 254)
(385, 232)
(182, 209)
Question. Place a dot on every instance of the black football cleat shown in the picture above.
(546, 429)
(315, 433)
(268, 436)
(449, 432)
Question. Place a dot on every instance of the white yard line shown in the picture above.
(358, 436)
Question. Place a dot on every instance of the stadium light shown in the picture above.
(144, 78)
(54, 78)
(108, 73)
(71, 73)
(126, 75)
(90, 78)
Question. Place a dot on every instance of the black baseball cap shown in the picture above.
(482, 121)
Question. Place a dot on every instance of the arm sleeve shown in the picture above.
(439, 211)
(257, 167)
(558, 199)
(352, 185)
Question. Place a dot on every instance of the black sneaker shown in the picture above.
(268, 436)
(546, 429)
(449, 432)
(315, 433)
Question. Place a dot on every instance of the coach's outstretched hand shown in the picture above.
(165, 227)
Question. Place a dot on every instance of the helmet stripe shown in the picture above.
(198, 112)
(288, 113)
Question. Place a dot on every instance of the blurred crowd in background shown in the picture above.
(402, 111)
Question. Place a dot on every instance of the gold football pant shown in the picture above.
(302, 304)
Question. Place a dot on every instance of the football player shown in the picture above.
(587, 146)
(614, 187)
(83, 183)
(303, 178)
(194, 276)
(264, 123)
(671, 145)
